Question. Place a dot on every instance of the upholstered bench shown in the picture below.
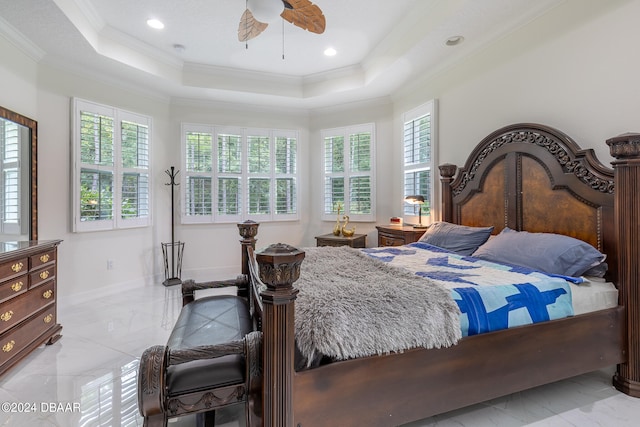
(211, 360)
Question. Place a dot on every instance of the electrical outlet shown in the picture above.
(109, 264)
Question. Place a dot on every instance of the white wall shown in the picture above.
(575, 69)
(18, 75)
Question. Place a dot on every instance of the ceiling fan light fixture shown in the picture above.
(266, 11)
(330, 51)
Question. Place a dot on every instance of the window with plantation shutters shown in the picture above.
(112, 171)
(286, 199)
(10, 199)
(259, 170)
(349, 172)
(418, 142)
(229, 176)
(249, 173)
(197, 173)
(134, 198)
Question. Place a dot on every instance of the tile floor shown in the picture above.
(88, 378)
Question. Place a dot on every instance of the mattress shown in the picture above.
(593, 295)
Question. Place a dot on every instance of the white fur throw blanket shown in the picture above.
(351, 305)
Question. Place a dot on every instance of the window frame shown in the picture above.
(117, 169)
(346, 132)
(409, 210)
(244, 176)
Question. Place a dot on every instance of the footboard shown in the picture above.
(399, 388)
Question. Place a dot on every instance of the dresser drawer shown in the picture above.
(43, 258)
(18, 339)
(14, 268)
(13, 287)
(387, 240)
(42, 275)
(397, 235)
(19, 308)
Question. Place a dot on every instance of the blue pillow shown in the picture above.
(547, 252)
(457, 238)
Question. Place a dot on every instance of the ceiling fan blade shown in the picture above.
(249, 27)
(304, 14)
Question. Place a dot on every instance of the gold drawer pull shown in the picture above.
(17, 267)
(44, 258)
(48, 318)
(8, 346)
(16, 286)
(44, 274)
(6, 316)
(47, 294)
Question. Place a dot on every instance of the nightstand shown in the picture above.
(397, 235)
(355, 241)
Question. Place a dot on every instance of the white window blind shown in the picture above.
(229, 176)
(255, 175)
(112, 187)
(259, 168)
(198, 156)
(286, 195)
(134, 200)
(349, 172)
(10, 199)
(418, 141)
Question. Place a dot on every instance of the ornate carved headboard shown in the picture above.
(535, 178)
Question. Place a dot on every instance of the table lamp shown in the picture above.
(417, 200)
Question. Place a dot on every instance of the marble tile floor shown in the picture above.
(88, 378)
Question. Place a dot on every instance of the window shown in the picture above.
(418, 141)
(349, 172)
(235, 174)
(112, 168)
(10, 198)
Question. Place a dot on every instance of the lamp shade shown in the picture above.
(415, 200)
(265, 11)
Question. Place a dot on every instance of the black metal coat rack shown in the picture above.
(173, 251)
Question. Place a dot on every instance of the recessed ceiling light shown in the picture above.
(330, 51)
(154, 23)
(455, 40)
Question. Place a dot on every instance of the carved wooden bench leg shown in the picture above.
(151, 376)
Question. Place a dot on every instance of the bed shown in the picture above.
(524, 177)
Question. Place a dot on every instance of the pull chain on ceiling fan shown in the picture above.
(301, 13)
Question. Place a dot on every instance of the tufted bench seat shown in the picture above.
(204, 365)
(208, 321)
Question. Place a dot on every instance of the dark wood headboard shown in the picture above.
(535, 178)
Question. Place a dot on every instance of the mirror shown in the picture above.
(18, 177)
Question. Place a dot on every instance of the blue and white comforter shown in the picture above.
(490, 296)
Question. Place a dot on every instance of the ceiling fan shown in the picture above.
(259, 13)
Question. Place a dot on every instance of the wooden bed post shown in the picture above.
(626, 149)
(447, 171)
(279, 266)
